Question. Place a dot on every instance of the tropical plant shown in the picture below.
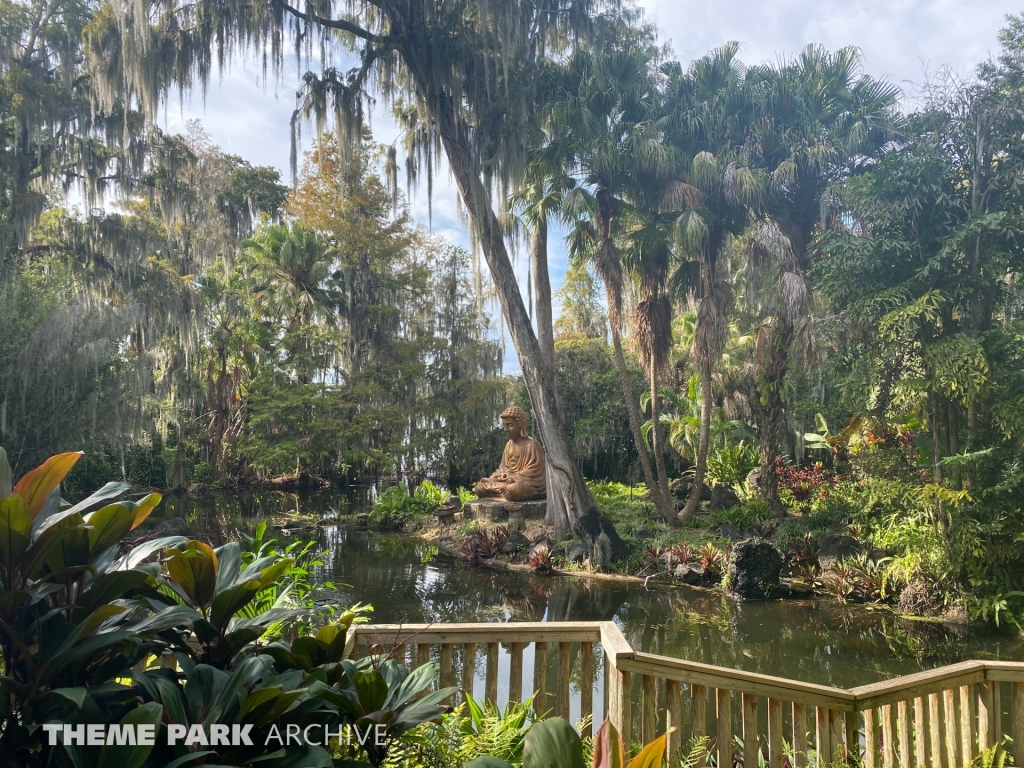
(380, 692)
(76, 607)
(553, 743)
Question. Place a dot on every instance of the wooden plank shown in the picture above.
(1007, 671)
(852, 738)
(903, 722)
(723, 741)
(1017, 721)
(625, 691)
(540, 678)
(872, 754)
(673, 720)
(888, 736)
(776, 752)
(997, 712)
(950, 728)
(491, 675)
(918, 684)
(587, 688)
(422, 654)
(986, 730)
(698, 709)
(515, 672)
(447, 654)
(468, 669)
(800, 734)
(748, 704)
(920, 731)
(564, 673)
(935, 752)
(835, 738)
(613, 643)
(485, 632)
(648, 718)
(822, 735)
(968, 724)
(739, 681)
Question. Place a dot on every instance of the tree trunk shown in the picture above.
(568, 497)
(542, 291)
(659, 454)
(703, 444)
(635, 425)
(770, 410)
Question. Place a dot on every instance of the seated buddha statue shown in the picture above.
(521, 474)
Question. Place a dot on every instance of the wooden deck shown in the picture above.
(942, 718)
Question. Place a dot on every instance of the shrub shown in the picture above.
(85, 614)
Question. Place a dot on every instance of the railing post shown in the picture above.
(952, 745)
(515, 673)
(723, 743)
(800, 734)
(748, 702)
(540, 677)
(984, 716)
(1017, 718)
(872, 757)
(586, 688)
(649, 712)
(920, 731)
(699, 704)
(775, 755)
(968, 725)
(673, 720)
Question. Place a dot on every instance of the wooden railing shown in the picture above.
(942, 718)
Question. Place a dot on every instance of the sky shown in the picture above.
(900, 40)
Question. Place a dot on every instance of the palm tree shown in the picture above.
(604, 128)
(817, 120)
(708, 107)
(293, 275)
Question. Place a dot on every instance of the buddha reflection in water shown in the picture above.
(520, 476)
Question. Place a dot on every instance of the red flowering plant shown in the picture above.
(805, 483)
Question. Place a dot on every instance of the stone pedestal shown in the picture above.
(499, 510)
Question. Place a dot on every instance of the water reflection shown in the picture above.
(815, 641)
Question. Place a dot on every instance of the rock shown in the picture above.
(730, 532)
(516, 542)
(835, 547)
(576, 553)
(680, 488)
(597, 534)
(723, 497)
(754, 570)
(691, 574)
(754, 478)
(497, 510)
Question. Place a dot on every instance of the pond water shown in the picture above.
(812, 640)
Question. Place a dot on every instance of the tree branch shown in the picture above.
(345, 26)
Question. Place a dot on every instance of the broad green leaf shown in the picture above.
(97, 617)
(232, 600)
(195, 573)
(15, 530)
(6, 479)
(652, 755)
(258, 699)
(72, 549)
(132, 756)
(108, 587)
(107, 492)
(186, 759)
(36, 485)
(108, 525)
(553, 743)
(143, 509)
(229, 560)
(487, 762)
